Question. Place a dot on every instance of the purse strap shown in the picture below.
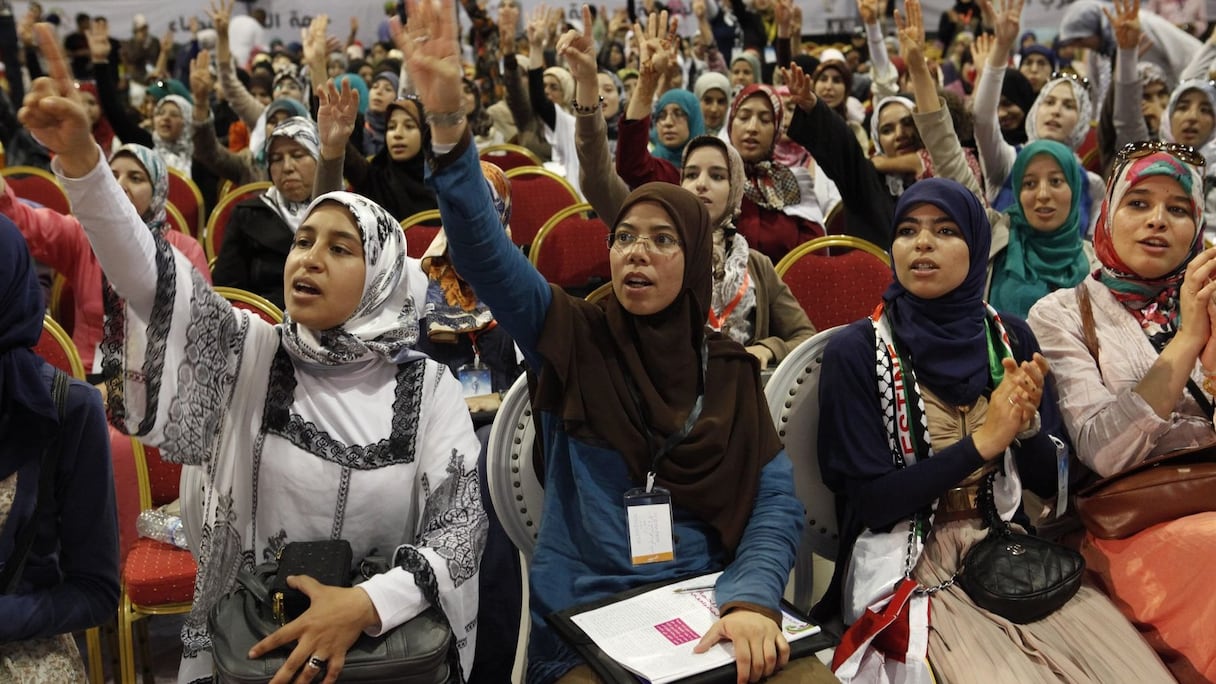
(1088, 329)
(46, 491)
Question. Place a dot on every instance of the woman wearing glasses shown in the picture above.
(625, 391)
(1061, 112)
(1150, 309)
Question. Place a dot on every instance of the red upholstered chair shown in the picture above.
(56, 348)
(177, 221)
(507, 156)
(157, 578)
(243, 299)
(62, 306)
(570, 251)
(420, 229)
(834, 222)
(834, 290)
(537, 195)
(213, 234)
(33, 183)
(185, 195)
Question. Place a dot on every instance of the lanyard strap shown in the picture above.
(716, 320)
(673, 440)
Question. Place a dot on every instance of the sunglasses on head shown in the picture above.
(1143, 148)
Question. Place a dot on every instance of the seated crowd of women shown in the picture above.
(1037, 316)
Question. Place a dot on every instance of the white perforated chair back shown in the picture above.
(515, 486)
(793, 398)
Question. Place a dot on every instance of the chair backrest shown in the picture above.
(570, 251)
(537, 194)
(62, 306)
(33, 183)
(834, 222)
(515, 487)
(420, 229)
(243, 299)
(213, 235)
(130, 485)
(600, 292)
(164, 477)
(185, 195)
(177, 221)
(834, 290)
(56, 348)
(507, 156)
(793, 399)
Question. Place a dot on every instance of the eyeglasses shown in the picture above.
(662, 243)
(1071, 76)
(673, 114)
(1143, 148)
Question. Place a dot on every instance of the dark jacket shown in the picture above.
(254, 251)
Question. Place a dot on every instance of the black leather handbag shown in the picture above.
(1017, 576)
(419, 651)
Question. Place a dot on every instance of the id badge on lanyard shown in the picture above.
(648, 509)
(651, 534)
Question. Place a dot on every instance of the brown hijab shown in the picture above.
(591, 353)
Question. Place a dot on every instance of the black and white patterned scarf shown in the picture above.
(385, 323)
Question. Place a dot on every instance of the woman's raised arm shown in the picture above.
(481, 251)
(54, 114)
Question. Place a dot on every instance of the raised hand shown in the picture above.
(54, 113)
(336, 113)
(802, 91)
(99, 41)
(578, 49)
(1126, 23)
(538, 27)
(1006, 19)
(781, 15)
(166, 42)
(653, 46)
(981, 47)
(221, 13)
(202, 83)
(910, 24)
(868, 9)
(432, 54)
(313, 39)
(508, 19)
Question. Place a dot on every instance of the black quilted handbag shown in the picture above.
(1017, 576)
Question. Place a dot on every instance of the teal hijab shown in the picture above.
(1036, 263)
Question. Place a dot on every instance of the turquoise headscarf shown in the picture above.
(696, 123)
(1035, 263)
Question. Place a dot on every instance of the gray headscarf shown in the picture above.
(1084, 112)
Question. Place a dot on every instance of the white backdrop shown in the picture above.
(287, 17)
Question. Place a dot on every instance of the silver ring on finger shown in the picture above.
(315, 663)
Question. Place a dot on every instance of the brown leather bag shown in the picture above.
(1161, 488)
(1158, 489)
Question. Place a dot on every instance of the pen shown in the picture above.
(689, 590)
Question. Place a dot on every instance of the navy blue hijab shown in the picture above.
(945, 337)
(24, 395)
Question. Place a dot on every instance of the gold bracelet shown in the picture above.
(1209, 384)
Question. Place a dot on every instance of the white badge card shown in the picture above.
(651, 537)
(1061, 476)
(474, 380)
